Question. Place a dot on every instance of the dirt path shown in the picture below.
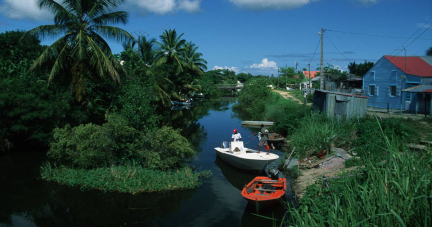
(287, 95)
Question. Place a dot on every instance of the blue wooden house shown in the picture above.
(386, 83)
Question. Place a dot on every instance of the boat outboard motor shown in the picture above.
(273, 172)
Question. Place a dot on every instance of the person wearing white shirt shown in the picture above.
(236, 136)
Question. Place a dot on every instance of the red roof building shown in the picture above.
(312, 74)
(416, 66)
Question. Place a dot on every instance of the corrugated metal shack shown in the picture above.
(340, 105)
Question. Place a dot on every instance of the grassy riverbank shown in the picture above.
(391, 183)
(132, 179)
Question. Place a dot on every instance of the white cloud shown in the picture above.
(270, 4)
(164, 6)
(265, 65)
(190, 6)
(24, 9)
(235, 69)
(29, 9)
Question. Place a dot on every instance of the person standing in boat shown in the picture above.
(236, 136)
(263, 139)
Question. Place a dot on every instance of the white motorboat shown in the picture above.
(235, 154)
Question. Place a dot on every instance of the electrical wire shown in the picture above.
(319, 41)
(336, 47)
(383, 36)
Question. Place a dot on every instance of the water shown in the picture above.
(28, 201)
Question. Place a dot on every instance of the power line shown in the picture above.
(319, 41)
(336, 47)
(383, 36)
(406, 46)
(412, 35)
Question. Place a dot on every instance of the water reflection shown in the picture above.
(28, 201)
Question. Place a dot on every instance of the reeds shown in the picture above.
(125, 179)
(396, 191)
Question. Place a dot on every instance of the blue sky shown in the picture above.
(257, 36)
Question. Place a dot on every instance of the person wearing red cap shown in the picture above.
(236, 136)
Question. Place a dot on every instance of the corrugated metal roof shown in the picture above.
(420, 88)
(341, 93)
(416, 66)
(428, 91)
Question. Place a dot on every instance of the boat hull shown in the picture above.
(250, 160)
(258, 195)
(175, 103)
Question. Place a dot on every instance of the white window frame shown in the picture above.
(390, 90)
(375, 90)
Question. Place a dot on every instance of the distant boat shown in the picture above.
(264, 189)
(177, 103)
(274, 137)
(199, 96)
(265, 123)
(234, 154)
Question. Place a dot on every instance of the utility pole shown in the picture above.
(322, 59)
(310, 84)
(286, 76)
(402, 77)
(278, 79)
(296, 76)
(139, 33)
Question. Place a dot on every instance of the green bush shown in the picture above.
(91, 146)
(113, 143)
(168, 149)
(316, 132)
(134, 104)
(252, 100)
(370, 141)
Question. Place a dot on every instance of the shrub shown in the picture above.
(252, 99)
(113, 143)
(168, 149)
(89, 146)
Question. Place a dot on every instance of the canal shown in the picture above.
(28, 201)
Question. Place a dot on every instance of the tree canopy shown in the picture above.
(81, 54)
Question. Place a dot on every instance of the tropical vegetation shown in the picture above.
(100, 111)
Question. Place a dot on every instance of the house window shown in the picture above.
(373, 75)
(392, 90)
(371, 89)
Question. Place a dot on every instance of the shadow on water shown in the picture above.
(26, 200)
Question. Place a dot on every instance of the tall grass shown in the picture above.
(393, 192)
(126, 179)
(316, 132)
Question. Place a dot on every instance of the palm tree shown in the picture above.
(194, 67)
(429, 52)
(171, 46)
(81, 53)
(146, 50)
(193, 59)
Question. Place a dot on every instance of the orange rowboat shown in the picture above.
(262, 189)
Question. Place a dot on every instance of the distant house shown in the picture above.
(313, 74)
(386, 83)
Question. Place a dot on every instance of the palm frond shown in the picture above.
(114, 33)
(45, 31)
(114, 17)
